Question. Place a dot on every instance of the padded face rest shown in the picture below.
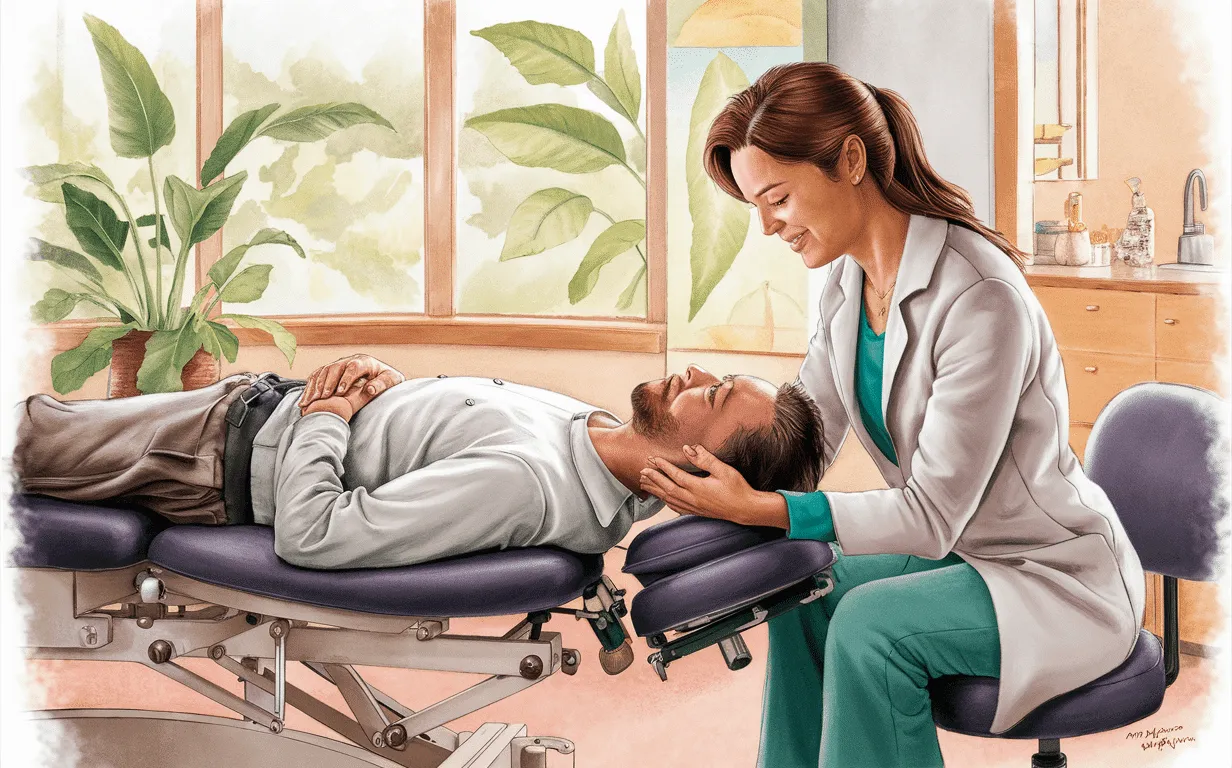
(485, 584)
(689, 541)
(1160, 452)
(80, 537)
(1125, 695)
(728, 583)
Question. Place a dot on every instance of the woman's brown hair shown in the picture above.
(803, 112)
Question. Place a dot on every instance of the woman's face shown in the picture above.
(818, 217)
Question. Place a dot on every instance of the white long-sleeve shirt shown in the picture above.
(433, 468)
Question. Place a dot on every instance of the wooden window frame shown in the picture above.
(440, 323)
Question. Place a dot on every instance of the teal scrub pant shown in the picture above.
(846, 675)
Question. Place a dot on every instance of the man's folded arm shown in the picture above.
(474, 500)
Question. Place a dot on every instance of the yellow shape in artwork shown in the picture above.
(741, 23)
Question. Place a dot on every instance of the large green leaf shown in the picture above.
(41, 250)
(613, 241)
(236, 137)
(720, 222)
(248, 285)
(141, 117)
(219, 337)
(545, 220)
(70, 369)
(197, 214)
(620, 68)
(99, 231)
(320, 120)
(283, 339)
(626, 296)
(47, 178)
(55, 305)
(543, 53)
(224, 267)
(552, 136)
(166, 354)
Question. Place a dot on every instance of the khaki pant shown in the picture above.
(163, 452)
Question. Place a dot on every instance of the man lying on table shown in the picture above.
(361, 468)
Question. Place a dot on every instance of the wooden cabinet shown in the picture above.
(1115, 329)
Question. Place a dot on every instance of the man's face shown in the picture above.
(696, 407)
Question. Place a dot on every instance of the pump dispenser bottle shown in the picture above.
(1137, 243)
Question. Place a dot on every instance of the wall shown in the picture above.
(938, 55)
(1152, 121)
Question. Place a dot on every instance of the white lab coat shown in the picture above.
(974, 399)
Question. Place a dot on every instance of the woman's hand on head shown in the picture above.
(724, 495)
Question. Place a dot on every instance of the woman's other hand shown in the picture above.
(725, 494)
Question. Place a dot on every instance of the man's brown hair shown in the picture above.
(786, 454)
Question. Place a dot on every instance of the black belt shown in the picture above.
(245, 418)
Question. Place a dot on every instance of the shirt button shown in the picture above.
(497, 381)
(470, 401)
(441, 376)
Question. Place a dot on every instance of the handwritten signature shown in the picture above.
(1158, 738)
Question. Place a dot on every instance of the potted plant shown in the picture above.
(159, 345)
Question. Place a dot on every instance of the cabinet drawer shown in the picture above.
(1078, 436)
(1101, 320)
(1094, 378)
(1204, 375)
(1188, 327)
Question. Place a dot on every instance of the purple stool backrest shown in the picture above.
(1160, 452)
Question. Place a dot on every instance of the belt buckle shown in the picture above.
(239, 409)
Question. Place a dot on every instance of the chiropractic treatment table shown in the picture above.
(113, 583)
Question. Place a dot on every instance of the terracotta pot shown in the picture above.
(128, 352)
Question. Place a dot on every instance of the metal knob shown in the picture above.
(428, 629)
(1091, 368)
(735, 652)
(1169, 321)
(160, 651)
(531, 667)
(1092, 307)
(395, 736)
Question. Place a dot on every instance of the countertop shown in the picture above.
(1122, 277)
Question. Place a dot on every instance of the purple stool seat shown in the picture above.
(80, 537)
(1130, 692)
(498, 583)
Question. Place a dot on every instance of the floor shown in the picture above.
(704, 715)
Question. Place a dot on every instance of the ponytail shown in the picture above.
(804, 112)
(912, 185)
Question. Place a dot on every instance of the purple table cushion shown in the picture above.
(80, 537)
(688, 541)
(728, 583)
(500, 583)
(1130, 692)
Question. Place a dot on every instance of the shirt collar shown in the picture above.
(607, 494)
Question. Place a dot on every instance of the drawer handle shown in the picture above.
(1169, 321)
(1091, 368)
(1092, 307)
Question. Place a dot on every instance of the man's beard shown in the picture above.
(650, 416)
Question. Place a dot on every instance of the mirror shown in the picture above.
(1065, 89)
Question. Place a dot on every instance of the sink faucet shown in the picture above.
(1195, 246)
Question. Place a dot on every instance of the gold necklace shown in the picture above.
(881, 296)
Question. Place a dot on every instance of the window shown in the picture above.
(354, 200)
(453, 220)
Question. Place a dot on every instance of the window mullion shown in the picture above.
(656, 161)
(440, 157)
(209, 117)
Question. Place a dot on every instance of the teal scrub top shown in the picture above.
(809, 513)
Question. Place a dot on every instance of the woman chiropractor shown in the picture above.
(990, 553)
